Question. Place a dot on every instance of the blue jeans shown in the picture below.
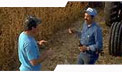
(87, 58)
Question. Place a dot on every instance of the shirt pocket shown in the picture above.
(91, 38)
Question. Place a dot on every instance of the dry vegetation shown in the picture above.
(65, 45)
(11, 25)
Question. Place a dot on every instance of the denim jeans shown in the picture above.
(87, 58)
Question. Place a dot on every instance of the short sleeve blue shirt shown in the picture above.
(28, 50)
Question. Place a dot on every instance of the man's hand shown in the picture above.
(70, 31)
(41, 42)
(82, 48)
(43, 56)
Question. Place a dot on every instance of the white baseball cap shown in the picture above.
(91, 11)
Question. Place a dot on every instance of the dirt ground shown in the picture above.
(65, 47)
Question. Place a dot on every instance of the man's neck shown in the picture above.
(90, 22)
(28, 33)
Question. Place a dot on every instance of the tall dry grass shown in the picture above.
(11, 25)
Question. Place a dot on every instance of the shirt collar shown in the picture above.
(90, 25)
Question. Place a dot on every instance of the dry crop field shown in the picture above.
(11, 25)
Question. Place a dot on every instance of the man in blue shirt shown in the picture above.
(91, 42)
(28, 51)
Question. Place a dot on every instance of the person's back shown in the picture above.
(27, 48)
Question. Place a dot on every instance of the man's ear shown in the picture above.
(32, 28)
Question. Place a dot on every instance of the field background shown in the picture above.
(11, 25)
(54, 29)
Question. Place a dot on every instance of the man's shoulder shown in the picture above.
(22, 35)
(97, 27)
(24, 38)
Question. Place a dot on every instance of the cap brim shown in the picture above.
(38, 21)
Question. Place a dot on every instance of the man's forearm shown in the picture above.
(40, 60)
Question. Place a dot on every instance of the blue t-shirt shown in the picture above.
(28, 50)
